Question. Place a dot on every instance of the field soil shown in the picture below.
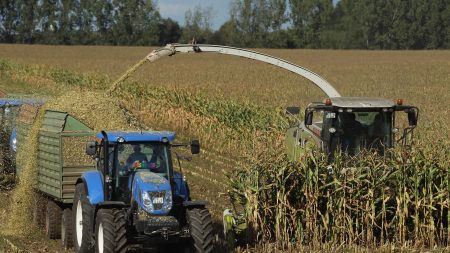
(35, 242)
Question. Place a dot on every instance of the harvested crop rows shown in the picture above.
(234, 105)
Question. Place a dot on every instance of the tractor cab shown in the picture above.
(126, 156)
(140, 162)
(353, 124)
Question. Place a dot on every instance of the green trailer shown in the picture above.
(61, 156)
(61, 161)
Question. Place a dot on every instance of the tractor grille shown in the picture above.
(155, 223)
(158, 198)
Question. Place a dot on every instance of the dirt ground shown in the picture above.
(34, 243)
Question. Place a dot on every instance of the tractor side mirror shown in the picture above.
(294, 110)
(195, 147)
(412, 117)
(309, 118)
(91, 148)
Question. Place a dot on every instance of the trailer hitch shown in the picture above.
(165, 233)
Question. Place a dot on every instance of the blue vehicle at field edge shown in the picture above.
(9, 111)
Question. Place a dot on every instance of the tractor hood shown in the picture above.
(152, 192)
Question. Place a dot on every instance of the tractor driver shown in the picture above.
(352, 131)
(137, 155)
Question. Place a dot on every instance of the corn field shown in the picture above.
(366, 200)
(400, 200)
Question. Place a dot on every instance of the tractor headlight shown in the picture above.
(159, 201)
(167, 205)
(147, 202)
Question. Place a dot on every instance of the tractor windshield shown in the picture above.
(363, 130)
(134, 156)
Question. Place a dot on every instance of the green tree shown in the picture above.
(66, 24)
(197, 25)
(8, 20)
(446, 22)
(26, 29)
(137, 23)
(227, 34)
(169, 31)
(82, 22)
(434, 25)
(310, 18)
(104, 14)
(256, 19)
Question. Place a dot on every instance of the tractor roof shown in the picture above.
(139, 136)
(361, 102)
(17, 102)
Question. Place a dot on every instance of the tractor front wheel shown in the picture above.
(82, 221)
(110, 231)
(200, 225)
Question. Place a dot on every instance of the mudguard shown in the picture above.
(192, 204)
(181, 188)
(93, 181)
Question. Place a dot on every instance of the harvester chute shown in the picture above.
(172, 49)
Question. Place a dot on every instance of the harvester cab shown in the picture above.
(352, 124)
(135, 185)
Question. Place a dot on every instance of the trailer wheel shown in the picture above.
(81, 220)
(111, 231)
(67, 228)
(53, 220)
(39, 210)
(200, 225)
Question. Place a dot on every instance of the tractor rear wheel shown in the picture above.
(111, 231)
(67, 228)
(82, 222)
(53, 220)
(200, 225)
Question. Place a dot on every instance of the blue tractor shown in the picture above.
(135, 197)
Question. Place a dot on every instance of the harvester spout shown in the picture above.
(171, 49)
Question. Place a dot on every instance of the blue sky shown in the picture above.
(175, 9)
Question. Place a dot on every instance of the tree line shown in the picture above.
(356, 24)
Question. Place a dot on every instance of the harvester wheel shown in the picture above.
(200, 225)
(53, 220)
(39, 210)
(67, 228)
(111, 231)
(81, 220)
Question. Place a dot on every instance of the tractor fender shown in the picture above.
(181, 187)
(194, 204)
(13, 141)
(93, 182)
